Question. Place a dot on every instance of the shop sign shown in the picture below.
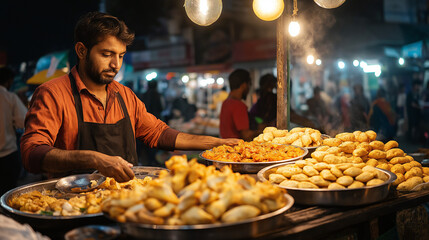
(171, 56)
(413, 50)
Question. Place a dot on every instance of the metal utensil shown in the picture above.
(80, 183)
(96, 232)
(335, 197)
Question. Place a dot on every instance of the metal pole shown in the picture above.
(283, 103)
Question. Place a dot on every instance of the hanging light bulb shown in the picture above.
(329, 3)
(268, 10)
(203, 12)
(294, 28)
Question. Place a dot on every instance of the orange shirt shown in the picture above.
(51, 121)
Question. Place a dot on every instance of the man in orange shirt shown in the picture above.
(86, 120)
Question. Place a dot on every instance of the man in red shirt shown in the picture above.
(86, 120)
(234, 119)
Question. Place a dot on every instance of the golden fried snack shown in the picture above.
(240, 213)
(377, 154)
(327, 175)
(390, 144)
(399, 160)
(288, 170)
(371, 135)
(298, 142)
(426, 179)
(319, 155)
(152, 204)
(415, 164)
(369, 168)
(372, 162)
(336, 186)
(322, 148)
(307, 185)
(413, 172)
(394, 152)
(399, 179)
(301, 163)
(382, 176)
(365, 176)
(377, 145)
(306, 139)
(346, 137)
(196, 215)
(345, 180)
(398, 168)
(356, 184)
(279, 133)
(407, 166)
(310, 171)
(357, 160)
(409, 184)
(337, 172)
(374, 182)
(332, 159)
(319, 181)
(347, 147)
(332, 142)
(333, 150)
(299, 177)
(321, 166)
(344, 166)
(384, 166)
(359, 152)
(276, 178)
(291, 137)
(269, 129)
(352, 171)
(289, 184)
(365, 146)
(425, 170)
(362, 137)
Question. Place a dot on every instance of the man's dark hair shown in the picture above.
(6, 74)
(238, 77)
(94, 27)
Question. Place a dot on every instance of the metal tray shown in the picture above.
(48, 225)
(252, 227)
(244, 167)
(335, 197)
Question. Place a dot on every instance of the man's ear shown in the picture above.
(81, 50)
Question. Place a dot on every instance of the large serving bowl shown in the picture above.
(251, 167)
(335, 197)
(252, 227)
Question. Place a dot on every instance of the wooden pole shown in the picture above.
(283, 106)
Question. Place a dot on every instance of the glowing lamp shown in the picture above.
(294, 28)
(268, 10)
(329, 3)
(203, 12)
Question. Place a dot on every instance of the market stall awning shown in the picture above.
(42, 76)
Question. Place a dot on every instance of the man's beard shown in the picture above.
(98, 77)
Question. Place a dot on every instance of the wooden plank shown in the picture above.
(309, 222)
(282, 88)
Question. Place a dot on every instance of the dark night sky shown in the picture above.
(31, 29)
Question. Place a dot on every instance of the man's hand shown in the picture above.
(114, 166)
(230, 141)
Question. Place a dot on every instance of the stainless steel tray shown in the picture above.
(244, 167)
(252, 227)
(335, 197)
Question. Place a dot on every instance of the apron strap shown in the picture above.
(78, 106)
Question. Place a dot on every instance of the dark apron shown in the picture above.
(112, 139)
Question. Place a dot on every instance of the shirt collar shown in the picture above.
(111, 88)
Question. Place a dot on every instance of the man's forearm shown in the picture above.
(58, 160)
(186, 141)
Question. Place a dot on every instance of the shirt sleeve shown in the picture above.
(19, 111)
(152, 131)
(42, 124)
(241, 118)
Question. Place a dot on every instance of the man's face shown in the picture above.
(104, 60)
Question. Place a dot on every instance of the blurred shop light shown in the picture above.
(203, 12)
(268, 10)
(151, 76)
(170, 75)
(401, 61)
(310, 59)
(220, 81)
(329, 3)
(318, 62)
(185, 78)
(363, 64)
(376, 69)
(355, 63)
(341, 64)
(294, 28)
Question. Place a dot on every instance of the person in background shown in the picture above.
(317, 108)
(413, 110)
(12, 117)
(234, 119)
(359, 109)
(264, 111)
(85, 120)
(382, 118)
